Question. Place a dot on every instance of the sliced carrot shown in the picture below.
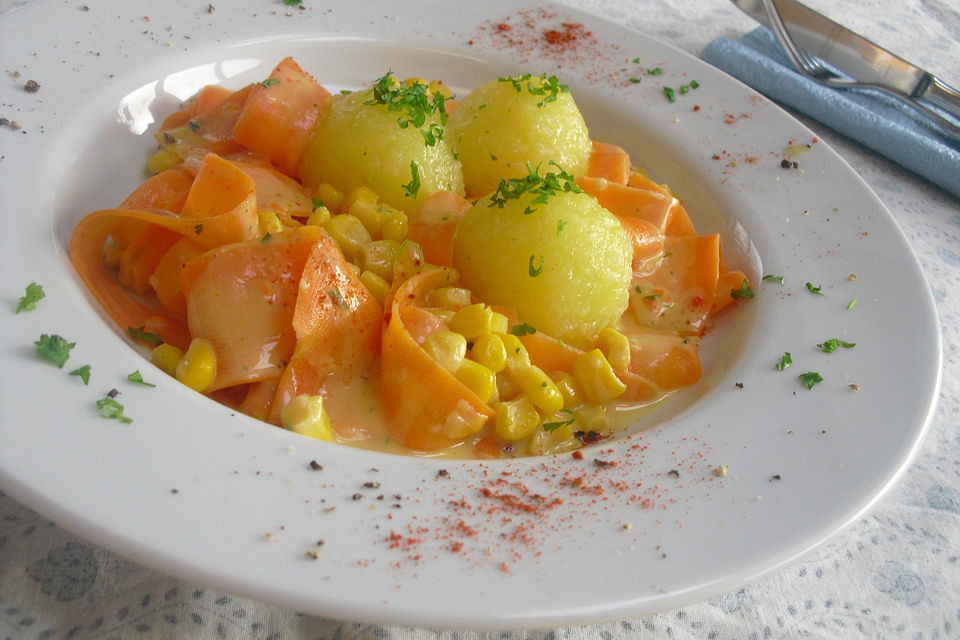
(279, 115)
(213, 130)
(166, 277)
(436, 224)
(256, 403)
(668, 361)
(679, 224)
(647, 240)
(728, 282)
(141, 258)
(166, 190)
(206, 99)
(638, 180)
(646, 204)
(610, 162)
(419, 395)
(277, 191)
(548, 353)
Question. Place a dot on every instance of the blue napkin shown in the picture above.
(870, 118)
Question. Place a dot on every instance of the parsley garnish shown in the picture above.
(655, 71)
(810, 379)
(561, 225)
(33, 294)
(197, 228)
(773, 278)
(829, 346)
(83, 372)
(522, 329)
(140, 334)
(742, 292)
(292, 3)
(266, 239)
(694, 84)
(785, 361)
(317, 203)
(414, 104)
(670, 94)
(850, 305)
(55, 348)
(813, 289)
(542, 187)
(110, 408)
(550, 88)
(337, 298)
(534, 271)
(136, 378)
(653, 296)
(413, 187)
(269, 82)
(553, 426)
(635, 80)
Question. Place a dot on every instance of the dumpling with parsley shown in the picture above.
(389, 138)
(504, 124)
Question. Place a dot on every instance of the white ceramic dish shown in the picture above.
(552, 541)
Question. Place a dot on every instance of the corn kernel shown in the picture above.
(596, 378)
(591, 417)
(538, 387)
(358, 193)
(499, 323)
(319, 217)
(349, 233)
(449, 297)
(489, 351)
(472, 321)
(379, 256)
(198, 365)
(615, 346)
(516, 352)
(444, 314)
(478, 379)
(357, 271)
(394, 224)
(412, 81)
(516, 419)
(269, 221)
(305, 415)
(437, 86)
(507, 389)
(162, 160)
(409, 261)
(166, 356)
(369, 214)
(463, 421)
(330, 196)
(447, 348)
(377, 286)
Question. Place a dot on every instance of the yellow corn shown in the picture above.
(596, 378)
(319, 217)
(377, 286)
(447, 348)
(394, 224)
(166, 356)
(449, 297)
(198, 365)
(477, 378)
(162, 160)
(516, 352)
(615, 346)
(591, 417)
(409, 261)
(379, 256)
(269, 221)
(516, 419)
(472, 321)
(349, 233)
(538, 387)
(412, 81)
(331, 197)
(568, 389)
(489, 351)
(358, 193)
(507, 389)
(357, 271)
(437, 86)
(499, 323)
(463, 421)
(444, 314)
(305, 415)
(369, 214)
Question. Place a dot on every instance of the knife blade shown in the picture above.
(855, 55)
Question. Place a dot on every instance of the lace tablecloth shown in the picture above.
(894, 574)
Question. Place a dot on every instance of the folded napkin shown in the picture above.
(869, 117)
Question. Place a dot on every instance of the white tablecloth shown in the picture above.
(893, 574)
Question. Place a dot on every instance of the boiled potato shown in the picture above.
(565, 266)
(506, 123)
(357, 144)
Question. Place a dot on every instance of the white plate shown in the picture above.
(631, 539)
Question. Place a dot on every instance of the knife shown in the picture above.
(867, 63)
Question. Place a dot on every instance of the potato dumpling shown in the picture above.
(358, 141)
(505, 123)
(565, 266)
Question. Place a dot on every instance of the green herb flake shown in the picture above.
(266, 239)
(636, 61)
(541, 187)
(269, 82)
(144, 336)
(110, 408)
(773, 278)
(534, 271)
(810, 379)
(636, 80)
(656, 71)
(831, 345)
(345, 92)
(813, 289)
(33, 294)
(338, 298)
(414, 103)
(670, 94)
(684, 88)
(83, 372)
(413, 187)
(851, 304)
(317, 203)
(197, 228)
(292, 3)
(653, 296)
(785, 361)
(553, 426)
(548, 87)
(742, 292)
(522, 329)
(694, 84)
(136, 378)
(55, 348)
(561, 225)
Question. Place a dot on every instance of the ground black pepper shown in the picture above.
(316, 466)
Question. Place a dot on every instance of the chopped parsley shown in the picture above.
(337, 298)
(653, 296)
(553, 426)
(742, 292)
(33, 294)
(145, 336)
(266, 239)
(522, 329)
(269, 82)
(635, 80)
(670, 94)
(317, 203)
(550, 88)
(414, 103)
(773, 278)
(55, 348)
(293, 3)
(413, 187)
(197, 228)
(813, 289)
(561, 225)
(550, 183)
(110, 408)
(656, 71)
(810, 379)
(829, 346)
(136, 378)
(694, 84)
(851, 304)
(785, 361)
(534, 271)
(83, 372)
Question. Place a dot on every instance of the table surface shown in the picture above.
(894, 573)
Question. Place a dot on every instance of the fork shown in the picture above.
(814, 69)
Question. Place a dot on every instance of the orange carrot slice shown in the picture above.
(166, 277)
(436, 224)
(668, 361)
(141, 258)
(212, 130)
(206, 99)
(610, 162)
(647, 240)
